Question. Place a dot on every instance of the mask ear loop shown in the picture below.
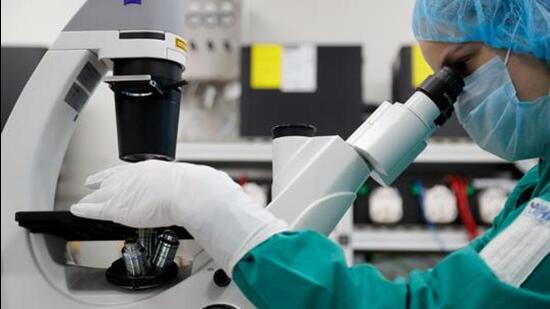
(509, 51)
(507, 57)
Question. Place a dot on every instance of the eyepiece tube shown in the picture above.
(443, 88)
(395, 134)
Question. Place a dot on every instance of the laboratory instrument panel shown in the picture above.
(213, 34)
(462, 197)
(458, 195)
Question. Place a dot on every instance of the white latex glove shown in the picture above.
(207, 202)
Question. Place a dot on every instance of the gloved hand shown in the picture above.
(207, 202)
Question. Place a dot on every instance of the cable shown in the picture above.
(419, 189)
(459, 187)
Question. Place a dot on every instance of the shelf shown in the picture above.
(456, 153)
(462, 152)
(414, 239)
(224, 152)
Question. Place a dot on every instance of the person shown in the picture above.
(502, 49)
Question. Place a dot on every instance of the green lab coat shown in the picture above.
(303, 269)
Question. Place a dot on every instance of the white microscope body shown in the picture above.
(314, 178)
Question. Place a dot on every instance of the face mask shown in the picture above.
(497, 120)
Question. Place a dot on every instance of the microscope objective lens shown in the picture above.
(148, 238)
(167, 245)
(134, 257)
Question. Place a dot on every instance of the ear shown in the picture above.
(530, 76)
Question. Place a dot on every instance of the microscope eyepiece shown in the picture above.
(443, 88)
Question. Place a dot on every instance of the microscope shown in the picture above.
(141, 42)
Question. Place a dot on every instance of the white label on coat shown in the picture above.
(515, 253)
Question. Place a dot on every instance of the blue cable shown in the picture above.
(431, 226)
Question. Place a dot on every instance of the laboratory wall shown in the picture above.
(380, 26)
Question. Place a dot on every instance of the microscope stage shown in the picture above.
(71, 228)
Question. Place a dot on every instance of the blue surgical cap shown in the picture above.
(520, 25)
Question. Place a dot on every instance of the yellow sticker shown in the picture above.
(420, 69)
(181, 44)
(265, 66)
(74, 246)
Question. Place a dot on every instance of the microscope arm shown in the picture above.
(320, 180)
(315, 179)
(39, 128)
(41, 124)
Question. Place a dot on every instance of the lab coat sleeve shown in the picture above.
(307, 270)
(304, 269)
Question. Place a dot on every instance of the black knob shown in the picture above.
(221, 279)
(220, 306)
(300, 129)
